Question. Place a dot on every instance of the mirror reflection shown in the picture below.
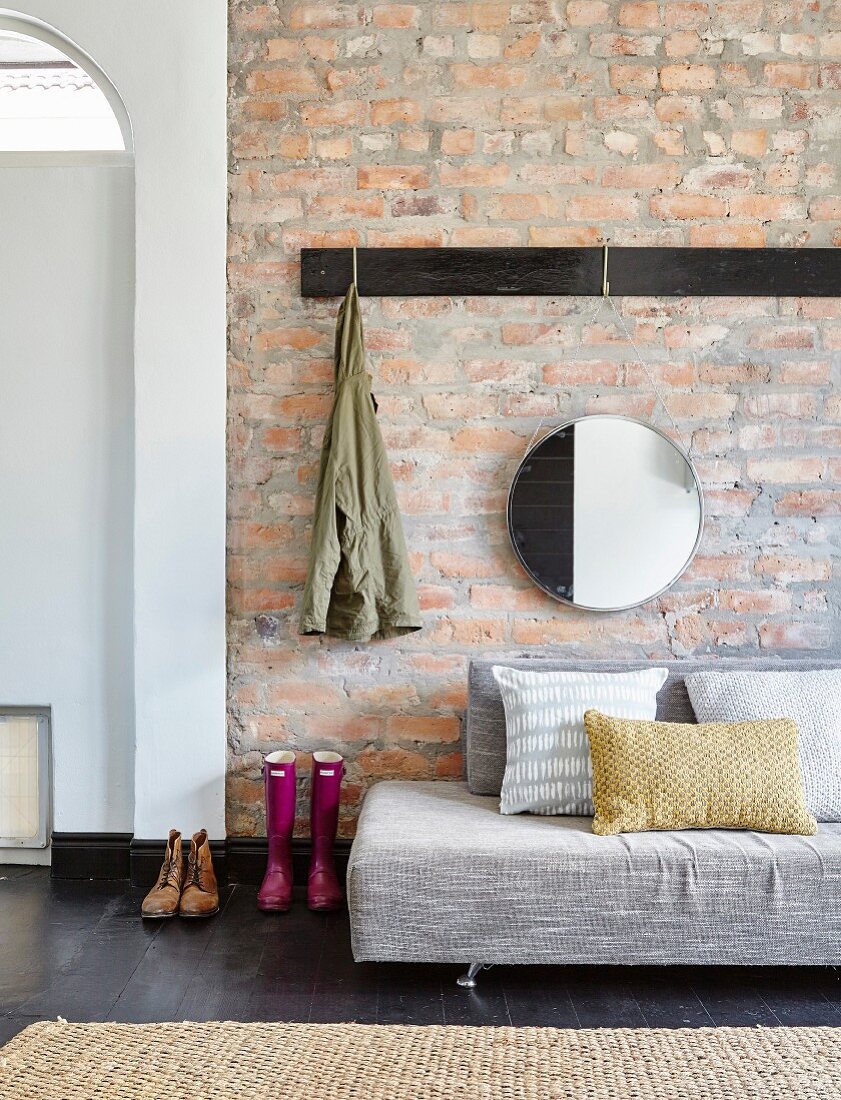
(605, 512)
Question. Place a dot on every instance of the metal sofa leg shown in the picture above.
(468, 980)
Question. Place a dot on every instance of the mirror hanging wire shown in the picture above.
(649, 374)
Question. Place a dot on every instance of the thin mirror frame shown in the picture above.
(698, 486)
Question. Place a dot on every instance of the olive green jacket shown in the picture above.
(359, 584)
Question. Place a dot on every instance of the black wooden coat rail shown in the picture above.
(668, 272)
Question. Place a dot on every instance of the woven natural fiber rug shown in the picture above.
(59, 1061)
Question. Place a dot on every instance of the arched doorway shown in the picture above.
(67, 397)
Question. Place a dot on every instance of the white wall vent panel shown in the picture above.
(24, 778)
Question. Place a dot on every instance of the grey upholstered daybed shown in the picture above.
(437, 875)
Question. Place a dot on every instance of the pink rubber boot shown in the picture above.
(275, 894)
(324, 894)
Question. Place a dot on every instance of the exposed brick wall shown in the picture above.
(685, 123)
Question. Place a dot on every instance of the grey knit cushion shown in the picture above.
(812, 699)
(548, 768)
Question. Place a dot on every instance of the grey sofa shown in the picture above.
(436, 874)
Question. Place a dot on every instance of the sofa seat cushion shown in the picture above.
(436, 874)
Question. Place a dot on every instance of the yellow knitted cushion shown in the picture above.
(719, 775)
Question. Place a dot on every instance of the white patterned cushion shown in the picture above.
(547, 769)
(812, 699)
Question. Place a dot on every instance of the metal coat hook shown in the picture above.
(605, 281)
(354, 268)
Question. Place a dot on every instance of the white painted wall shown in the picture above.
(66, 484)
(168, 61)
(637, 512)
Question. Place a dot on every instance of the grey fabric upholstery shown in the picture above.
(485, 720)
(437, 875)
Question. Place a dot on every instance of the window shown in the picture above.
(51, 101)
(24, 778)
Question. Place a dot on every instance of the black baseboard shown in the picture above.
(120, 856)
(146, 857)
(90, 855)
(247, 858)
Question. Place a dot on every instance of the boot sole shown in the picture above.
(273, 908)
(199, 916)
(324, 908)
(158, 916)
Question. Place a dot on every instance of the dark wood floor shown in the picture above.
(79, 950)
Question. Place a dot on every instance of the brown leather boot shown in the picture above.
(200, 897)
(162, 900)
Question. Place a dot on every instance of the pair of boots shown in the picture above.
(192, 895)
(324, 893)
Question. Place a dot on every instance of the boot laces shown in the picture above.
(166, 871)
(194, 871)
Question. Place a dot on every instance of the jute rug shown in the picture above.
(59, 1061)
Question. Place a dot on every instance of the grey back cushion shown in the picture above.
(485, 720)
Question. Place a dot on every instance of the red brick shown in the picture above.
(755, 602)
(526, 333)
(793, 570)
(826, 208)
(450, 564)
(727, 236)
(641, 176)
(385, 112)
(788, 74)
(348, 113)
(587, 13)
(473, 175)
(621, 108)
(396, 16)
(460, 406)
(603, 207)
(347, 206)
(297, 81)
(809, 373)
(483, 236)
(794, 636)
(512, 206)
(763, 406)
(749, 143)
(686, 207)
(687, 78)
(391, 177)
(809, 502)
(639, 78)
(493, 440)
(393, 763)
(640, 14)
(565, 628)
(693, 336)
(320, 16)
(439, 729)
(678, 108)
(785, 471)
(583, 372)
(768, 208)
(488, 76)
(687, 13)
(565, 236)
(504, 597)
(458, 142)
(298, 338)
(474, 632)
(780, 336)
(683, 44)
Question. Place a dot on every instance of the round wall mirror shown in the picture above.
(605, 513)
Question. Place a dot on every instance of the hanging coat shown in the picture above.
(359, 584)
